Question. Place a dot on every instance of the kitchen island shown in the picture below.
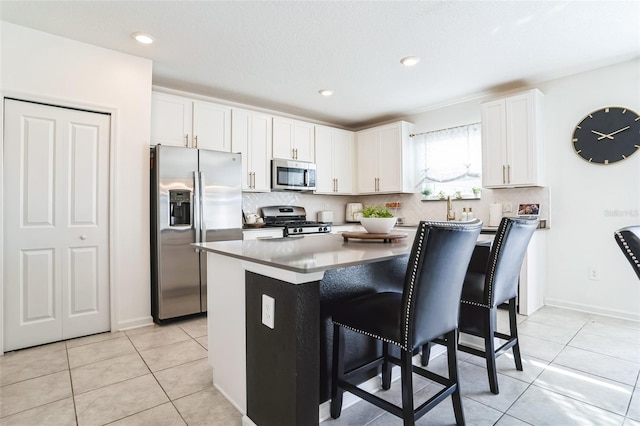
(269, 311)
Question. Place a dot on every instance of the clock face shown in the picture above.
(607, 135)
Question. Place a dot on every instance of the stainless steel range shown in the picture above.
(294, 220)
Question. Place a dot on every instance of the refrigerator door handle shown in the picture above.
(197, 216)
(202, 225)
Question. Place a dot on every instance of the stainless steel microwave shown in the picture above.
(293, 175)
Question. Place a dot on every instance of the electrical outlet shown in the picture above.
(594, 273)
(506, 208)
(268, 310)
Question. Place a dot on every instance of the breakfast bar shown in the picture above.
(270, 303)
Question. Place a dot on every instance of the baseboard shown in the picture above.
(632, 316)
(135, 323)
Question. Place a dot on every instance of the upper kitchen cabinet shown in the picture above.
(180, 121)
(293, 139)
(251, 136)
(384, 159)
(512, 145)
(334, 160)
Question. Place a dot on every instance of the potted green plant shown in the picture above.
(476, 191)
(425, 193)
(377, 219)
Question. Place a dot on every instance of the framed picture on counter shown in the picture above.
(528, 210)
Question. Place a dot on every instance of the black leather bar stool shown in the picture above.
(486, 289)
(427, 308)
(629, 241)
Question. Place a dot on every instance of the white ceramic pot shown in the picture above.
(378, 225)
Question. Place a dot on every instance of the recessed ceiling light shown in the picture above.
(409, 61)
(326, 92)
(143, 38)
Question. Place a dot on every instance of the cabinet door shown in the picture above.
(303, 141)
(324, 160)
(211, 126)
(343, 161)
(240, 131)
(494, 140)
(521, 151)
(367, 142)
(283, 138)
(260, 150)
(293, 139)
(170, 120)
(389, 159)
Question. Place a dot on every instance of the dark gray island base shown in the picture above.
(287, 368)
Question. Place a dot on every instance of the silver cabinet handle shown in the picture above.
(509, 173)
(186, 140)
(504, 180)
(195, 141)
(336, 184)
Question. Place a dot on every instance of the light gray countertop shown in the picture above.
(314, 253)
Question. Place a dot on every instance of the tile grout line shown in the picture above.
(158, 382)
(73, 394)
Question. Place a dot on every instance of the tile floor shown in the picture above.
(579, 369)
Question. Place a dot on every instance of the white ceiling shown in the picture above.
(277, 55)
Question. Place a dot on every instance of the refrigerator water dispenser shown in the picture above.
(179, 208)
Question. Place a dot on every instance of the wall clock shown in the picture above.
(607, 135)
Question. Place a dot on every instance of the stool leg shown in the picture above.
(408, 415)
(386, 367)
(338, 371)
(426, 352)
(452, 359)
(513, 331)
(490, 352)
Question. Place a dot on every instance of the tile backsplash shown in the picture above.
(412, 209)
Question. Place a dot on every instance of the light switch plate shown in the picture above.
(268, 311)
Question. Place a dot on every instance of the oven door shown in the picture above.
(293, 175)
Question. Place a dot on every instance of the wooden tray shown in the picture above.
(254, 225)
(387, 238)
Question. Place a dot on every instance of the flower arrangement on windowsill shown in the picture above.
(427, 195)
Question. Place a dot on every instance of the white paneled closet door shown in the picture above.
(56, 230)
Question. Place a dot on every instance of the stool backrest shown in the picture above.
(629, 241)
(505, 260)
(433, 282)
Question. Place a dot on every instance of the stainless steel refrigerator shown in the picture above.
(196, 196)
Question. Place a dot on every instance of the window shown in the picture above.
(450, 162)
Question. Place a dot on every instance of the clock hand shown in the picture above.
(610, 135)
(602, 135)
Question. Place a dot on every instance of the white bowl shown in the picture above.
(378, 225)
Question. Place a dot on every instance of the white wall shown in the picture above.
(587, 202)
(44, 67)
(590, 201)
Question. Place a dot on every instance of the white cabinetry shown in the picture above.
(254, 234)
(334, 160)
(512, 141)
(385, 162)
(252, 138)
(180, 121)
(293, 139)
